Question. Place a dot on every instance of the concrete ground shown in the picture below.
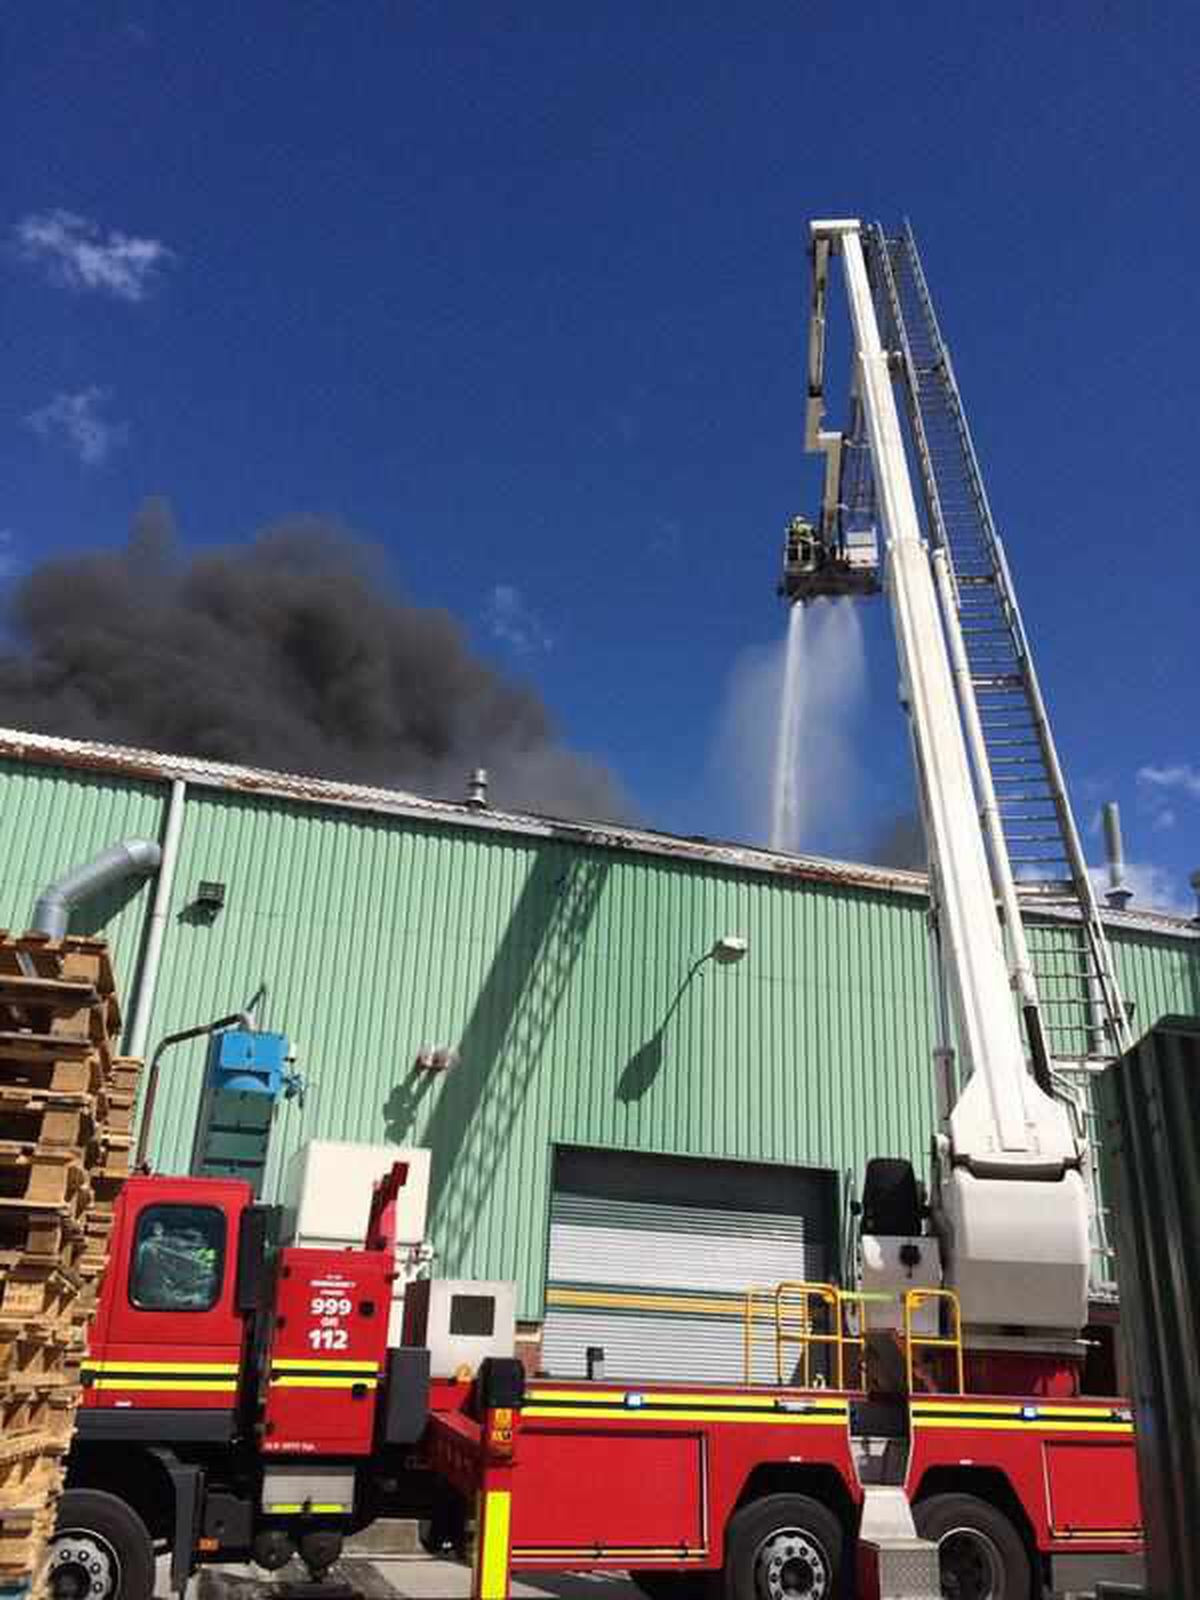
(416, 1577)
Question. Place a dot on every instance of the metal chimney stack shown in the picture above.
(1194, 880)
(477, 789)
(1118, 896)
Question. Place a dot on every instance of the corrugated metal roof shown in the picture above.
(129, 762)
(148, 764)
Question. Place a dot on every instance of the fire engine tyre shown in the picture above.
(100, 1550)
(980, 1553)
(676, 1585)
(783, 1547)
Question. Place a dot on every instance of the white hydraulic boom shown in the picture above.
(1009, 1202)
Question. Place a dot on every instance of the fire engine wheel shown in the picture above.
(980, 1554)
(783, 1547)
(100, 1550)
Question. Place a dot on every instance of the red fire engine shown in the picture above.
(929, 1433)
(248, 1404)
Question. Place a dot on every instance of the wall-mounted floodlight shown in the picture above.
(730, 947)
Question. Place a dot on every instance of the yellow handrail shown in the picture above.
(752, 1295)
(913, 1300)
(795, 1308)
(824, 1294)
(854, 1300)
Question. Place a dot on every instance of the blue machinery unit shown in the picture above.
(245, 1074)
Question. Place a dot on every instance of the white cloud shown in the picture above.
(1153, 888)
(77, 419)
(78, 254)
(514, 622)
(1182, 775)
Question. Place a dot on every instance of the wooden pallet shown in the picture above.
(122, 1077)
(50, 1237)
(32, 1117)
(52, 1005)
(33, 1177)
(32, 1291)
(45, 1415)
(29, 1470)
(55, 1065)
(67, 1109)
(73, 958)
(117, 1109)
(38, 1356)
(23, 1534)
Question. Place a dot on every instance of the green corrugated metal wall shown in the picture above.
(52, 819)
(560, 974)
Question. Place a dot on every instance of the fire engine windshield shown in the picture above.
(178, 1258)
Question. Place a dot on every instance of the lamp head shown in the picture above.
(730, 947)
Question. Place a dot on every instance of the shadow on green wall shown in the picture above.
(645, 1064)
(501, 1046)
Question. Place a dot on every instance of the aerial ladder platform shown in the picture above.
(907, 426)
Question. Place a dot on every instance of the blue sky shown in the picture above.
(520, 293)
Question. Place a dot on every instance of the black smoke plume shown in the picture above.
(291, 652)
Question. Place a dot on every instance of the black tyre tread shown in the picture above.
(676, 1585)
(754, 1522)
(118, 1523)
(941, 1512)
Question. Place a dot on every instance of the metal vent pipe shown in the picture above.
(130, 858)
(1118, 896)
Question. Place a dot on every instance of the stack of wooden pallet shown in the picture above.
(66, 1121)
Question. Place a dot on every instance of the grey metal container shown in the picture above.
(1150, 1105)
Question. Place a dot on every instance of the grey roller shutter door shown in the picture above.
(660, 1285)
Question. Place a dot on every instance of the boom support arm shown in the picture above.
(1005, 1137)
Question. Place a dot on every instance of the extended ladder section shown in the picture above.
(998, 825)
(1059, 954)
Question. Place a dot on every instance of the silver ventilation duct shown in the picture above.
(130, 858)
